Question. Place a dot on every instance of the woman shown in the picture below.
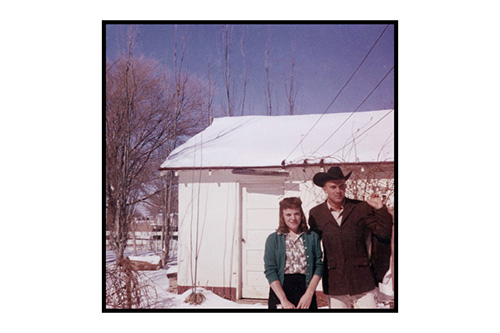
(293, 260)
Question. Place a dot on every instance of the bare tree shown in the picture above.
(234, 99)
(291, 90)
(210, 94)
(268, 80)
(245, 72)
(227, 39)
(189, 95)
(144, 119)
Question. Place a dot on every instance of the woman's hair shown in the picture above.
(294, 203)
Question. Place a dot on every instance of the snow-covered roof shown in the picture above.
(265, 141)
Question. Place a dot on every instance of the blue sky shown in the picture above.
(326, 55)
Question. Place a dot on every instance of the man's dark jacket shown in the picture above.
(348, 269)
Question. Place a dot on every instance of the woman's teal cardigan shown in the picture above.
(275, 256)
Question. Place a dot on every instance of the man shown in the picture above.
(350, 274)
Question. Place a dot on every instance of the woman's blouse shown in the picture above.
(274, 256)
(295, 262)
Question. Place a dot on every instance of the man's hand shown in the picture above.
(375, 201)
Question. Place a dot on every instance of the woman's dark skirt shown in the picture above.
(294, 287)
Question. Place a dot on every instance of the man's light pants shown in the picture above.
(366, 300)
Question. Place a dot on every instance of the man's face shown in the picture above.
(335, 190)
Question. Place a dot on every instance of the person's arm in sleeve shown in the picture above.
(379, 220)
(313, 226)
(271, 272)
(318, 256)
(306, 299)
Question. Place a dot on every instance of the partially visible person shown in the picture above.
(293, 260)
(344, 225)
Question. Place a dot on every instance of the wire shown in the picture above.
(352, 113)
(345, 85)
(360, 134)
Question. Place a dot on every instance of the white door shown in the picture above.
(260, 217)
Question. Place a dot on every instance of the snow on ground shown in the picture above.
(152, 259)
(164, 299)
(168, 300)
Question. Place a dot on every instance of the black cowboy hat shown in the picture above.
(333, 173)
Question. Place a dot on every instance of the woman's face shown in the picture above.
(292, 218)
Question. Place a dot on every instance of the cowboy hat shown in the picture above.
(332, 174)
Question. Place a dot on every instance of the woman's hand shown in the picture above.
(286, 304)
(305, 301)
(280, 293)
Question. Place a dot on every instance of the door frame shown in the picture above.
(278, 182)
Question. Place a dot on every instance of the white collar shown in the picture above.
(330, 207)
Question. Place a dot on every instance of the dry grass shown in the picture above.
(195, 298)
(126, 288)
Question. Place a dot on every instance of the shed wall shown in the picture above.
(210, 218)
(208, 230)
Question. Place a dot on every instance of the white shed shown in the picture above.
(233, 174)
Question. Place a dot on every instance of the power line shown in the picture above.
(364, 100)
(360, 134)
(333, 101)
